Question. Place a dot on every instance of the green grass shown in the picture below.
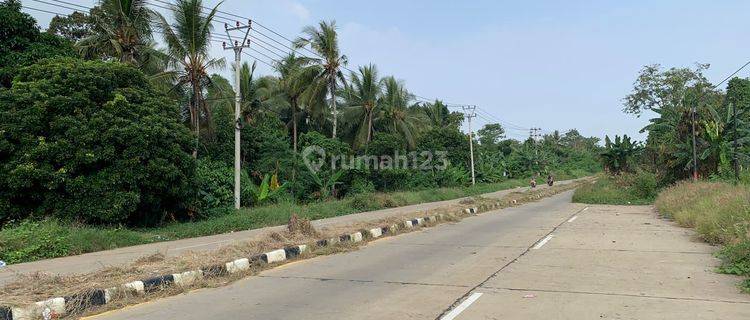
(720, 214)
(35, 240)
(633, 189)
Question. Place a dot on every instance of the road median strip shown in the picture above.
(78, 303)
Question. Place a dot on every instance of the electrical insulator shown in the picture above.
(226, 26)
(235, 43)
(238, 23)
(224, 45)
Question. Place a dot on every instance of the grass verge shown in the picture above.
(37, 240)
(630, 189)
(720, 213)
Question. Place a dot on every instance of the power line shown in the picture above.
(59, 5)
(222, 17)
(40, 10)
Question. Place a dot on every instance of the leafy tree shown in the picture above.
(21, 43)
(122, 30)
(655, 88)
(189, 40)
(324, 41)
(74, 27)
(491, 135)
(94, 142)
(449, 140)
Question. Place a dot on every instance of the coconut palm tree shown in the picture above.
(294, 84)
(438, 115)
(362, 96)
(188, 40)
(259, 95)
(122, 31)
(324, 41)
(397, 114)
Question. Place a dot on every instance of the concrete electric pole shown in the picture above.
(237, 46)
(534, 135)
(471, 114)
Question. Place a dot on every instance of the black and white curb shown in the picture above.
(61, 306)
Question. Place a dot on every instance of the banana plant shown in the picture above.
(325, 186)
(268, 189)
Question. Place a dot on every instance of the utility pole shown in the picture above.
(695, 150)
(237, 46)
(471, 114)
(534, 134)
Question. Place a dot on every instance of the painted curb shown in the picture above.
(376, 232)
(98, 297)
(274, 256)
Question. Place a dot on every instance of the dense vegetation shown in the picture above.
(108, 139)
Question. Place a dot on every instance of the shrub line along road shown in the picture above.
(602, 262)
(122, 256)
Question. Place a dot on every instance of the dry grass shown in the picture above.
(40, 286)
(720, 212)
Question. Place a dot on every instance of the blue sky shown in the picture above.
(548, 64)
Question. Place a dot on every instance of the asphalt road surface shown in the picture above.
(545, 260)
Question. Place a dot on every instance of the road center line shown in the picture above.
(461, 307)
(542, 242)
(573, 219)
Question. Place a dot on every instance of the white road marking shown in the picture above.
(573, 219)
(584, 209)
(541, 243)
(461, 307)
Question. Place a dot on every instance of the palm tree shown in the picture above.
(188, 41)
(362, 95)
(122, 30)
(438, 115)
(294, 83)
(397, 114)
(258, 95)
(324, 41)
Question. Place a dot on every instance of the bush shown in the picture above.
(91, 141)
(644, 185)
(215, 181)
(626, 189)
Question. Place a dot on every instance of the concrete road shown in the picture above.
(122, 256)
(545, 260)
